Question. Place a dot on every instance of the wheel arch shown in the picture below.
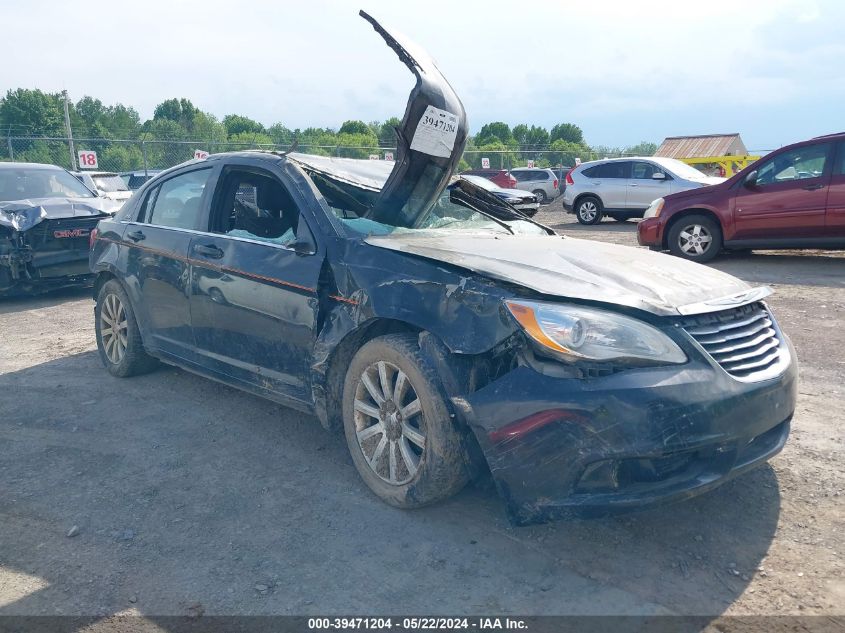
(328, 375)
(586, 194)
(686, 213)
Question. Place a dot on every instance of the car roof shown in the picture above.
(42, 166)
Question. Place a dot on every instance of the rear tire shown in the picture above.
(697, 238)
(118, 336)
(589, 210)
(541, 196)
(398, 426)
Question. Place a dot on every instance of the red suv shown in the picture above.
(501, 177)
(791, 198)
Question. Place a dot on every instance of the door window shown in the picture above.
(798, 164)
(177, 202)
(643, 171)
(617, 169)
(255, 206)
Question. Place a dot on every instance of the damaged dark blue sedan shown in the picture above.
(442, 330)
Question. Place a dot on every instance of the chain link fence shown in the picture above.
(116, 155)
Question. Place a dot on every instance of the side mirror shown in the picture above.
(658, 175)
(751, 179)
(303, 247)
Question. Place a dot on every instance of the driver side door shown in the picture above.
(254, 276)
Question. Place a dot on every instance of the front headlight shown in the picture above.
(654, 209)
(574, 333)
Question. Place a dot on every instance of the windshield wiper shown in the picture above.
(457, 195)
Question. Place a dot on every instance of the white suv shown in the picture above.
(623, 188)
(541, 182)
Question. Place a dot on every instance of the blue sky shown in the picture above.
(623, 71)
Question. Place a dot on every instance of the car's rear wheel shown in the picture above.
(695, 237)
(117, 333)
(589, 210)
(398, 426)
(541, 195)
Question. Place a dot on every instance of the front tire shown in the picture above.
(118, 336)
(398, 426)
(589, 210)
(697, 238)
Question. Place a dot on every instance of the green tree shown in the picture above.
(237, 124)
(26, 112)
(179, 111)
(565, 152)
(567, 132)
(491, 132)
(387, 132)
(280, 134)
(643, 148)
(355, 127)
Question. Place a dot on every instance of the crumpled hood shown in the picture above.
(22, 215)
(582, 269)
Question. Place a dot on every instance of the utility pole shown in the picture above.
(69, 133)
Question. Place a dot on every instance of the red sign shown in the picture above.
(87, 159)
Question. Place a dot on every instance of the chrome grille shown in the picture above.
(744, 341)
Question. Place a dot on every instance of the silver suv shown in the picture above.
(541, 182)
(623, 188)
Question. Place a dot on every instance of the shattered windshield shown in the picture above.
(21, 184)
(444, 215)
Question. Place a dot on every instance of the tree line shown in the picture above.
(31, 115)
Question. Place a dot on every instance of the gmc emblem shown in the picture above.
(71, 233)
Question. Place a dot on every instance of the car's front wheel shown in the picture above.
(695, 237)
(589, 210)
(117, 333)
(402, 438)
(541, 196)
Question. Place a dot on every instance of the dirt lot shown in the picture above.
(170, 494)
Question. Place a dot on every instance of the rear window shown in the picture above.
(621, 169)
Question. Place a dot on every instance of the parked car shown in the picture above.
(105, 183)
(623, 188)
(46, 216)
(442, 338)
(501, 177)
(134, 179)
(793, 197)
(517, 198)
(541, 182)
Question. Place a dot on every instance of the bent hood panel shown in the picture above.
(22, 215)
(430, 139)
(578, 269)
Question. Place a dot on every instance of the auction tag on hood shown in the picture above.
(436, 132)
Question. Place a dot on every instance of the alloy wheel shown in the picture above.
(114, 328)
(588, 211)
(388, 423)
(694, 239)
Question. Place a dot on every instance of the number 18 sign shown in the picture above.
(87, 159)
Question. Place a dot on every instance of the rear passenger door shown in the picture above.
(158, 272)
(610, 182)
(835, 214)
(255, 271)
(642, 188)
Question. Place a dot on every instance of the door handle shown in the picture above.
(813, 187)
(208, 250)
(633, 184)
(136, 236)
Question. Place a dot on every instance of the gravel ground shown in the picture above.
(171, 494)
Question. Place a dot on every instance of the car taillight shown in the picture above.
(511, 182)
(92, 237)
(569, 180)
(554, 186)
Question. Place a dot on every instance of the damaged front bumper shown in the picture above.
(564, 447)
